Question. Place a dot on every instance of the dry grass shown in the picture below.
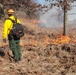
(39, 57)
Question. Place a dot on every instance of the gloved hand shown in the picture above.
(4, 40)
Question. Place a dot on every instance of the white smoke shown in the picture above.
(52, 18)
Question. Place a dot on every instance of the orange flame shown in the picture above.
(61, 39)
(22, 44)
(35, 22)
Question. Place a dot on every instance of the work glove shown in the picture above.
(4, 40)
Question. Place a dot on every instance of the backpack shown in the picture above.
(17, 29)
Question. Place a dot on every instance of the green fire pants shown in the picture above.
(15, 47)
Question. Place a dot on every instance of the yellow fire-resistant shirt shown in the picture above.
(8, 26)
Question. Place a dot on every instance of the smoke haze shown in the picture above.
(52, 18)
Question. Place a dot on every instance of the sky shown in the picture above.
(41, 1)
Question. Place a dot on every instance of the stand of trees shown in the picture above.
(30, 7)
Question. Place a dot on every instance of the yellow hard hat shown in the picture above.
(10, 11)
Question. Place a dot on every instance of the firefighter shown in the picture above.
(13, 41)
